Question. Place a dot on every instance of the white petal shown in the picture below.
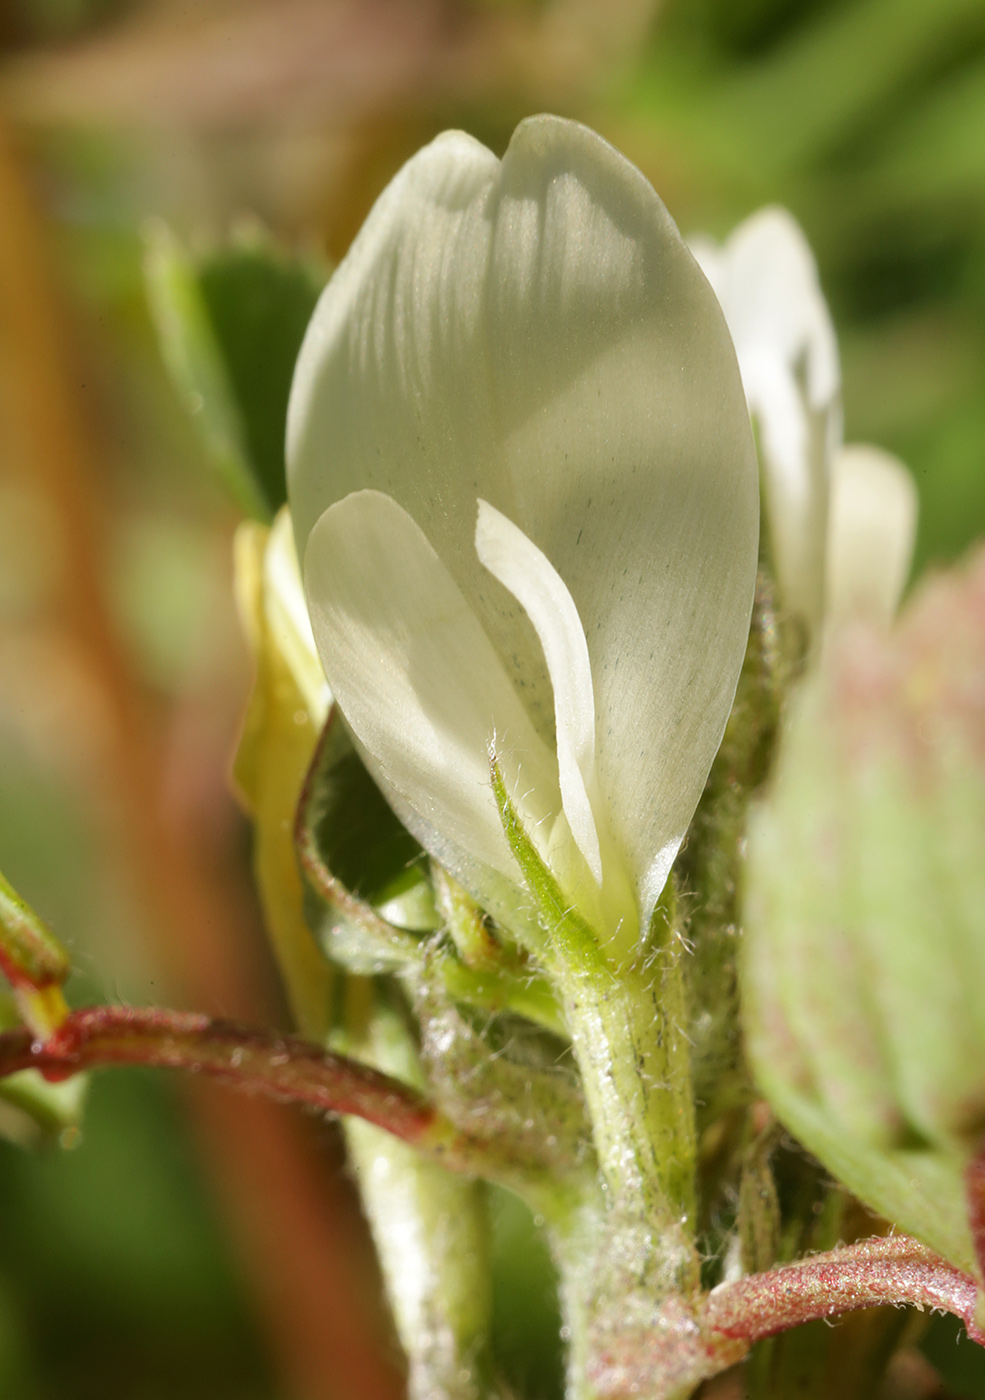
(536, 333)
(539, 589)
(421, 687)
(871, 529)
(766, 280)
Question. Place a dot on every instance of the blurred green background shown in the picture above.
(160, 1252)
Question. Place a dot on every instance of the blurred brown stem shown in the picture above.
(274, 1195)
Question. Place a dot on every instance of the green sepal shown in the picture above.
(230, 325)
(512, 987)
(467, 925)
(370, 895)
(484, 970)
(566, 932)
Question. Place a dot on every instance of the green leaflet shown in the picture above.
(864, 951)
(230, 326)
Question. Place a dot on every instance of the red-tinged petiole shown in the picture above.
(893, 1269)
(279, 1067)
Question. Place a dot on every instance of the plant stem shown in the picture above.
(628, 1027)
(629, 1269)
(627, 1021)
(278, 1067)
(430, 1226)
(893, 1269)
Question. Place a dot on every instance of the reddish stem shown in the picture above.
(278, 1067)
(892, 1269)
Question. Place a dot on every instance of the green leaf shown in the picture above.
(230, 325)
(358, 836)
(864, 956)
(259, 301)
(567, 931)
(368, 876)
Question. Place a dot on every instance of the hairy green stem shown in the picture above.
(628, 1032)
(628, 1260)
(629, 1268)
(628, 1027)
(430, 1226)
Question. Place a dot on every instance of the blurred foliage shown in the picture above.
(864, 117)
(115, 1238)
(27, 21)
(959, 1362)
